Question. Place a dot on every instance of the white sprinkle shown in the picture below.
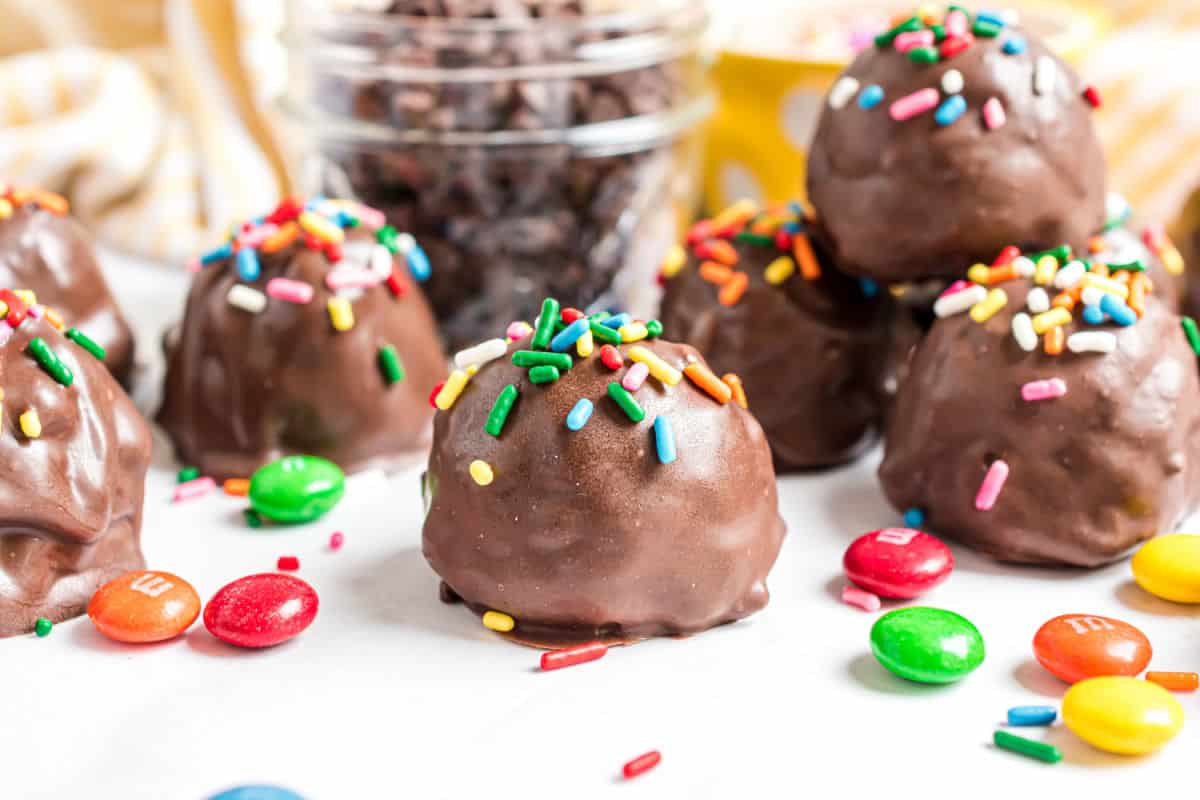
(842, 91)
(381, 262)
(952, 82)
(1022, 328)
(1038, 301)
(958, 302)
(1045, 72)
(1070, 275)
(1092, 342)
(1024, 266)
(1012, 17)
(246, 298)
(480, 354)
(405, 243)
(1091, 295)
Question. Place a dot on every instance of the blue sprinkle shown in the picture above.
(247, 264)
(664, 440)
(870, 96)
(1014, 45)
(314, 202)
(418, 264)
(580, 414)
(1093, 315)
(869, 287)
(914, 518)
(617, 321)
(796, 208)
(345, 218)
(1118, 310)
(257, 792)
(792, 227)
(224, 251)
(570, 335)
(951, 109)
(994, 17)
(1031, 715)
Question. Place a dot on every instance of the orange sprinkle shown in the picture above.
(1096, 244)
(703, 377)
(733, 289)
(1137, 297)
(54, 318)
(1064, 300)
(718, 250)
(1099, 268)
(1122, 277)
(716, 273)
(1055, 338)
(1144, 279)
(281, 238)
(805, 258)
(238, 487)
(735, 386)
(1175, 681)
(1002, 273)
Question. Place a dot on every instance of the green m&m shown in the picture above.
(927, 645)
(296, 488)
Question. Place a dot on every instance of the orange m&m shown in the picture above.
(144, 606)
(1075, 647)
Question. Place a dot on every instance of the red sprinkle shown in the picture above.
(336, 540)
(569, 315)
(956, 44)
(399, 289)
(286, 211)
(433, 395)
(1007, 256)
(611, 357)
(783, 240)
(288, 563)
(1155, 236)
(1092, 95)
(333, 251)
(16, 308)
(312, 242)
(570, 656)
(643, 763)
(700, 231)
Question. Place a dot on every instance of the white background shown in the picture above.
(392, 694)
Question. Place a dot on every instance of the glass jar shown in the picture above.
(539, 151)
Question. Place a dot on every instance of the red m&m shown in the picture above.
(261, 610)
(897, 562)
(1074, 647)
(144, 606)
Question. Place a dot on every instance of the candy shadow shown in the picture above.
(870, 673)
(1034, 678)
(1134, 597)
(1077, 751)
(85, 635)
(973, 561)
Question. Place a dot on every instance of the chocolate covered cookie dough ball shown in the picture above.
(580, 509)
(44, 250)
(941, 144)
(305, 334)
(73, 459)
(1059, 436)
(809, 344)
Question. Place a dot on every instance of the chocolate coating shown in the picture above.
(71, 499)
(585, 535)
(911, 199)
(245, 389)
(1093, 473)
(53, 256)
(811, 354)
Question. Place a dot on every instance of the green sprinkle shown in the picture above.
(939, 32)
(187, 474)
(544, 373)
(387, 236)
(80, 338)
(43, 627)
(924, 55)
(1193, 335)
(500, 409)
(599, 316)
(605, 334)
(1027, 747)
(50, 362)
(532, 358)
(653, 329)
(559, 326)
(986, 29)
(886, 38)
(351, 221)
(252, 518)
(1062, 253)
(626, 401)
(1133, 266)
(545, 324)
(389, 364)
(754, 238)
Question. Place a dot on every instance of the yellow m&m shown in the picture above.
(1122, 715)
(1169, 567)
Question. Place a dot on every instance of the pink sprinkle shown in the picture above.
(256, 236)
(860, 38)
(336, 540)
(993, 482)
(194, 265)
(6, 333)
(857, 597)
(371, 217)
(635, 377)
(910, 39)
(351, 278)
(35, 311)
(993, 114)
(957, 286)
(1155, 236)
(1043, 390)
(288, 563)
(290, 290)
(518, 330)
(956, 23)
(918, 102)
(190, 490)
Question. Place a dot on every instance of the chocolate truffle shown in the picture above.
(580, 518)
(1039, 458)
(44, 250)
(930, 160)
(303, 335)
(73, 459)
(809, 344)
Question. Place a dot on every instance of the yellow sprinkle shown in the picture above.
(452, 389)
(321, 228)
(980, 273)
(779, 270)
(471, 370)
(6, 208)
(658, 368)
(27, 296)
(498, 621)
(1172, 260)
(584, 345)
(1106, 285)
(3, 309)
(341, 313)
(986, 308)
(31, 426)
(482, 473)
(632, 332)
(1054, 318)
(674, 261)
(1047, 268)
(740, 211)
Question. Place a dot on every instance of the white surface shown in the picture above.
(392, 694)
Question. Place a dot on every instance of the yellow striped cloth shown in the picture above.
(143, 113)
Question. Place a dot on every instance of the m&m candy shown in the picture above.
(1122, 715)
(296, 488)
(261, 610)
(1169, 567)
(897, 562)
(1074, 647)
(257, 792)
(144, 606)
(927, 645)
